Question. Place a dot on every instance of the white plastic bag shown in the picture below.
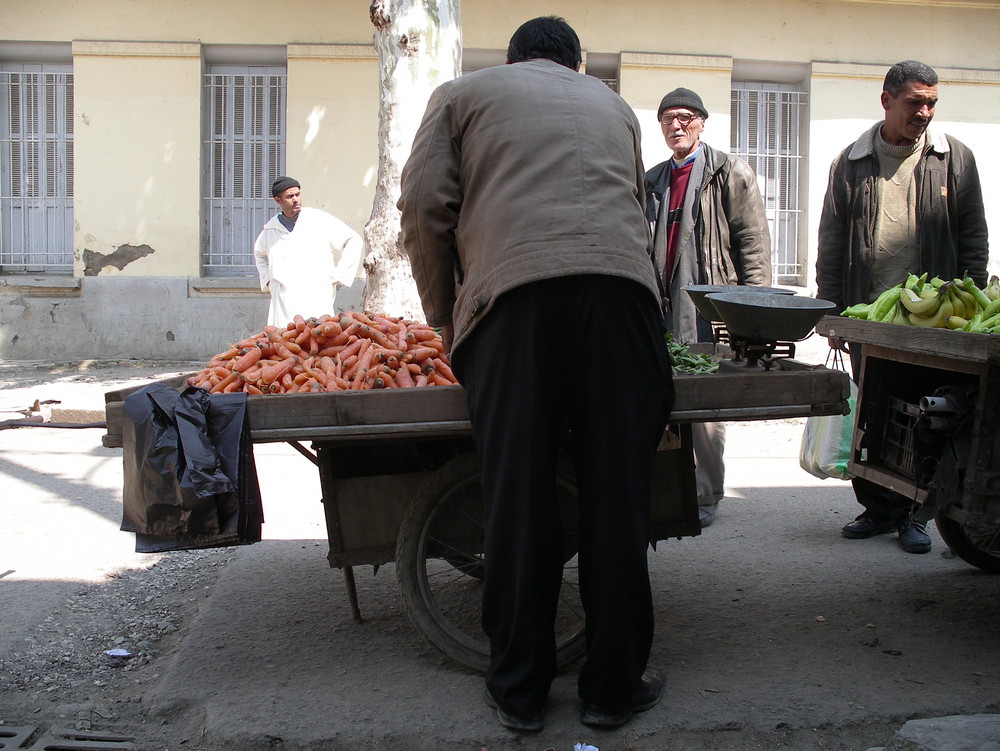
(827, 439)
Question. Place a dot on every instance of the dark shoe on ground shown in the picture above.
(529, 724)
(913, 538)
(648, 696)
(707, 514)
(864, 527)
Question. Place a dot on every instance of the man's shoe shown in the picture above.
(864, 527)
(913, 538)
(648, 696)
(530, 724)
(706, 514)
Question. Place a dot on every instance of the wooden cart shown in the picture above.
(952, 470)
(400, 484)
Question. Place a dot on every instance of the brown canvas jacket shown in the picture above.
(519, 173)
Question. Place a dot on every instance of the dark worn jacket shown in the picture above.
(724, 238)
(951, 221)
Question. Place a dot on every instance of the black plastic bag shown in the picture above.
(190, 477)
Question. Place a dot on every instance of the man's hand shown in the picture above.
(837, 343)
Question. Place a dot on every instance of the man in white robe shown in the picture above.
(302, 256)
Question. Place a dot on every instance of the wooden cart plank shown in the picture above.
(960, 345)
(790, 389)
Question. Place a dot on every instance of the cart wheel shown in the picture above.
(439, 565)
(982, 551)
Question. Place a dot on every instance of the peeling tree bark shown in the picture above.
(419, 45)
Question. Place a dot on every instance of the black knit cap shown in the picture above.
(682, 98)
(282, 184)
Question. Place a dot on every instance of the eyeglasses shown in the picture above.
(683, 118)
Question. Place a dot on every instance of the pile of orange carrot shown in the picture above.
(352, 351)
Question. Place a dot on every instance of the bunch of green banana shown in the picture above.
(936, 303)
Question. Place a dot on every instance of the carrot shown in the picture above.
(437, 344)
(317, 374)
(364, 361)
(353, 348)
(403, 377)
(377, 336)
(419, 354)
(235, 385)
(277, 371)
(251, 389)
(439, 380)
(364, 355)
(421, 334)
(336, 383)
(232, 378)
(420, 380)
(440, 366)
(247, 359)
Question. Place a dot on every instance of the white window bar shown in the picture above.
(244, 151)
(36, 168)
(765, 127)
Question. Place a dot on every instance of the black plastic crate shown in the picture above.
(897, 436)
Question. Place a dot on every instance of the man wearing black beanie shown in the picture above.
(709, 227)
(302, 256)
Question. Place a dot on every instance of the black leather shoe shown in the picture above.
(648, 696)
(530, 724)
(913, 538)
(865, 526)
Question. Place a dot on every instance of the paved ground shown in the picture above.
(775, 631)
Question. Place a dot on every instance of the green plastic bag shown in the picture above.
(826, 442)
(827, 439)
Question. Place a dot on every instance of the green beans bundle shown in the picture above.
(686, 361)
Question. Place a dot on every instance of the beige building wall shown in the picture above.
(138, 123)
(332, 124)
(137, 158)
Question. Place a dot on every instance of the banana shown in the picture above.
(923, 304)
(977, 294)
(899, 315)
(956, 322)
(883, 303)
(937, 282)
(945, 309)
(968, 302)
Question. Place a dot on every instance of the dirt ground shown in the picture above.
(775, 632)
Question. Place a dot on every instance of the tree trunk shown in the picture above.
(419, 45)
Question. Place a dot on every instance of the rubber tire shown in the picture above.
(954, 536)
(451, 500)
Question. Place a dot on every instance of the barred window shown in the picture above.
(36, 168)
(244, 151)
(766, 120)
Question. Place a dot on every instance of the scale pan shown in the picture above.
(767, 318)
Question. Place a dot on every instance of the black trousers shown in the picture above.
(881, 504)
(584, 353)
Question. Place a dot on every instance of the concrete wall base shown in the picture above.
(149, 318)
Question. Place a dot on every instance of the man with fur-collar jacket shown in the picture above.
(709, 227)
(901, 200)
